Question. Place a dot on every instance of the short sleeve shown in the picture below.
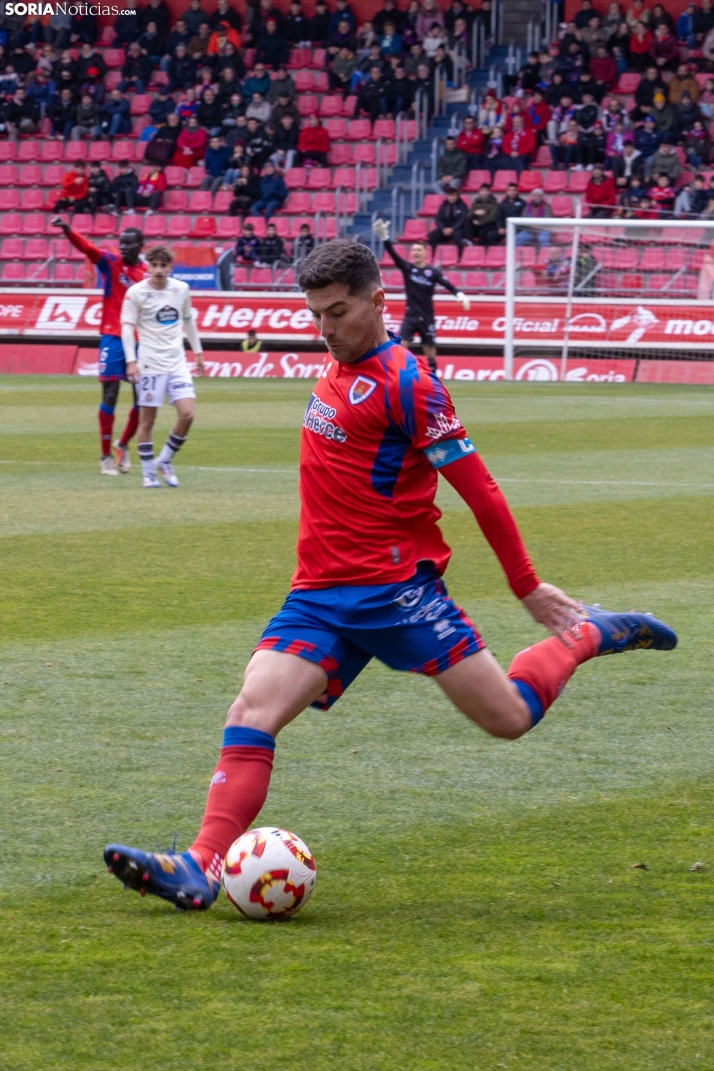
(129, 310)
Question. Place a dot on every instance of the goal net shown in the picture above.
(610, 299)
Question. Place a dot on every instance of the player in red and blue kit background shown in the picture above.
(118, 273)
(378, 429)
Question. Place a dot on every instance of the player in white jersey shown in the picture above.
(158, 311)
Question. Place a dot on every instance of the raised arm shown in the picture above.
(381, 229)
(91, 251)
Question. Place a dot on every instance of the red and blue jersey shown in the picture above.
(116, 276)
(374, 433)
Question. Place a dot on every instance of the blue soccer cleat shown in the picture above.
(629, 631)
(176, 878)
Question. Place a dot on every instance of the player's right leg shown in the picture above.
(277, 687)
(150, 391)
(122, 443)
(105, 415)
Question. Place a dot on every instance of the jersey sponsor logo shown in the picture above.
(361, 389)
(167, 315)
(444, 425)
(319, 419)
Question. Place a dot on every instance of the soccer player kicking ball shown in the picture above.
(420, 281)
(378, 429)
(158, 311)
(118, 273)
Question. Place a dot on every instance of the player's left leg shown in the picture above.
(147, 416)
(183, 397)
(508, 705)
(122, 443)
(428, 339)
(105, 415)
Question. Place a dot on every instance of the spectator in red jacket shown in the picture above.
(603, 68)
(664, 49)
(537, 114)
(151, 190)
(518, 146)
(74, 189)
(313, 143)
(190, 144)
(471, 140)
(640, 44)
(600, 193)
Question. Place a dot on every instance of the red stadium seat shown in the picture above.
(65, 273)
(296, 223)
(298, 201)
(155, 227)
(51, 151)
(52, 174)
(336, 128)
(304, 82)
(473, 256)
(28, 150)
(475, 179)
(10, 222)
(299, 57)
(562, 206)
(53, 196)
(107, 36)
(347, 202)
(447, 255)
(330, 107)
(348, 107)
(359, 130)
(319, 178)
(628, 82)
(222, 200)
(175, 201)
(317, 59)
(577, 181)
(258, 225)
(10, 199)
(261, 276)
(140, 103)
(200, 201)
(13, 273)
(34, 223)
(114, 58)
(75, 150)
(175, 176)
(122, 150)
(8, 175)
(393, 280)
(554, 181)
(30, 175)
(204, 227)
(104, 225)
(343, 176)
(228, 227)
(384, 128)
(282, 225)
(8, 151)
(475, 280)
(98, 150)
(36, 248)
(12, 248)
(363, 153)
(339, 154)
(502, 179)
(307, 104)
(32, 200)
(84, 223)
(414, 230)
(195, 177)
(431, 204)
(543, 156)
(323, 202)
(496, 256)
(526, 256)
(322, 82)
(131, 219)
(179, 226)
(112, 80)
(295, 178)
(529, 181)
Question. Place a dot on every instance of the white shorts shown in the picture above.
(153, 389)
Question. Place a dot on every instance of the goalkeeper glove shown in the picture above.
(465, 303)
(381, 229)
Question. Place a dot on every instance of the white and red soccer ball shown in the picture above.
(269, 873)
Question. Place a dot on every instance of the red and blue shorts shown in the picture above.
(413, 626)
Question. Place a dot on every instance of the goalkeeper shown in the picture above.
(420, 280)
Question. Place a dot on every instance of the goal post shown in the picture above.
(621, 289)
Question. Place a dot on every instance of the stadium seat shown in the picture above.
(140, 103)
(526, 256)
(131, 219)
(415, 229)
(322, 83)
(543, 156)
(529, 181)
(329, 107)
(287, 278)
(12, 248)
(261, 276)
(122, 150)
(175, 176)
(112, 80)
(65, 273)
(52, 174)
(561, 206)
(10, 222)
(29, 175)
(200, 201)
(8, 151)
(155, 227)
(336, 128)
(475, 179)
(304, 81)
(383, 128)
(299, 57)
(83, 222)
(339, 154)
(98, 150)
(454, 278)
(554, 181)
(228, 227)
(307, 104)
(319, 178)
(32, 200)
(298, 201)
(502, 179)
(364, 153)
(431, 205)
(107, 36)
(317, 58)
(195, 176)
(8, 175)
(28, 150)
(496, 256)
(577, 181)
(343, 176)
(114, 58)
(475, 280)
(473, 256)
(105, 225)
(204, 227)
(36, 248)
(295, 178)
(222, 200)
(347, 202)
(359, 130)
(10, 199)
(447, 255)
(258, 223)
(628, 82)
(51, 151)
(175, 201)
(392, 279)
(179, 226)
(14, 272)
(323, 202)
(348, 107)
(282, 225)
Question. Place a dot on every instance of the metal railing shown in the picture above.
(421, 114)
(550, 22)
(478, 44)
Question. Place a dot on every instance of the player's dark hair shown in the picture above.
(340, 261)
(159, 252)
(421, 242)
(132, 231)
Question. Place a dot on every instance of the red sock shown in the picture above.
(132, 424)
(238, 790)
(106, 425)
(546, 667)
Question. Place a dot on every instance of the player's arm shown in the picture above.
(191, 332)
(129, 323)
(448, 285)
(462, 467)
(381, 229)
(91, 251)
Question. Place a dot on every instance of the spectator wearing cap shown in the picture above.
(313, 143)
(600, 193)
(663, 115)
(536, 208)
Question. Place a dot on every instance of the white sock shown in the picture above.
(171, 447)
(146, 455)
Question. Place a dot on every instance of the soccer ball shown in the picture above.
(269, 873)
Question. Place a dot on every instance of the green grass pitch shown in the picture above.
(476, 905)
